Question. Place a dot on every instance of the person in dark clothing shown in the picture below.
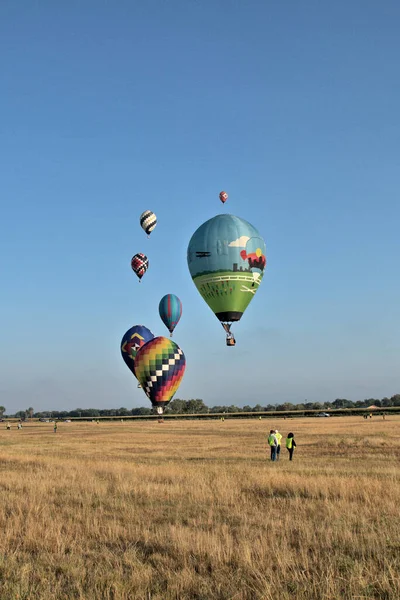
(290, 445)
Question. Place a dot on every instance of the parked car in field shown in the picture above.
(323, 415)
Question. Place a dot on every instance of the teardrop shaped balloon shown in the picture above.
(132, 340)
(148, 221)
(140, 264)
(170, 309)
(159, 367)
(223, 196)
(226, 259)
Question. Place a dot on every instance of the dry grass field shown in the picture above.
(195, 510)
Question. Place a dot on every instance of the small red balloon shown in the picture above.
(223, 196)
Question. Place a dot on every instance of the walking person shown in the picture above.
(290, 445)
(55, 427)
(273, 442)
(278, 439)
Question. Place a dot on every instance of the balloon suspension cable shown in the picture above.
(227, 327)
(230, 339)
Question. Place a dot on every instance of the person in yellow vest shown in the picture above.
(55, 427)
(273, 443)
(278, 439)
(290, 445)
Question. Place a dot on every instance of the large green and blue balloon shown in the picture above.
(227, 259)
(170, 310)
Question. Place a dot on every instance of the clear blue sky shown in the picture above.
(110, 108)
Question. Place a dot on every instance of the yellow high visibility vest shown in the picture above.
(278, 437)
(271, 440)
(289, 443)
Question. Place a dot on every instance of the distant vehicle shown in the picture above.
(323, 415)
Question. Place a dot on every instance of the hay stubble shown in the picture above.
(194, 510)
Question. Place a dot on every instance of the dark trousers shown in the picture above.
(273, 452)
(290, 450)
(278, 451)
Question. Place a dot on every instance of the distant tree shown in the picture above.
(30, 412)
(338, 403)
(317, 406)
(285, 406)
(196, 406)
(177, 406)
(258, 408)
(123, 412)
(75, 413)
(395, 400)
(342, 403)
(387, 402)
(141, 411)
(2, 410)
(107, 412)
(359, 403)
(372, 402)
(247, 408)
(219, 409)
(90, 412)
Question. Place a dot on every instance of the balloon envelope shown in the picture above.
(139, 264)
(170, 309)
(223, 196)
(226, 259)
(132, 340)
(160, 366)
(148, 221)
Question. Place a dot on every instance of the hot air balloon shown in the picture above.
(223, 196)
(139, 264)
(159, 367)
(132, 340)
(226, 259)
(148, 221)
(170, 309)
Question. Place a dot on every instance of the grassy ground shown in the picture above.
(195, 510)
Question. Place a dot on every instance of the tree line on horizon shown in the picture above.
(197, 406)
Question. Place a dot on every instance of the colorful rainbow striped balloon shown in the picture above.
(159, 367)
